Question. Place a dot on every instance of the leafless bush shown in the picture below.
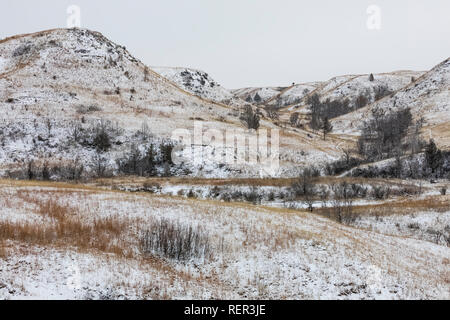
(22, 50)
(414, 226)
(304, 187)
(405, 191)
(82, 109)
(342, 202)
(152, 187)
(252, 196)
(176, 241)
(100, 165)
(294, 119)
(381, 92)
(272, 112)
(381, 192)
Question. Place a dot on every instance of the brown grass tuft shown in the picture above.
(67, 229)
(3, 250)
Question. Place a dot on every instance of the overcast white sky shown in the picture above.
(256, 42)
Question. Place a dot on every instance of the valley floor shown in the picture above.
(74, 241)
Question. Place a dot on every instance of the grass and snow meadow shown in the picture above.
(80, 242)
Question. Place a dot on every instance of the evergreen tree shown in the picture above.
(150, 159)
(250, 118)
(433, 157)
(326, 127)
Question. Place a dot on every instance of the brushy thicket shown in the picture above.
(176, 241)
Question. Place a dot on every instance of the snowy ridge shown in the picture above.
(257, 95)
(352, 86)
(428, 96)
(199, 83)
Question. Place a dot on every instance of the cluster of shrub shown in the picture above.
(411, 167)
(70, 170)
(250, 118)
(396, 136)
(342, 195)
(383, 135)
(97, 135)
(153, 157)
(330, 109)
(176, 241)
(146, 163)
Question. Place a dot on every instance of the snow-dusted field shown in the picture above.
(256, 252)
(429, 225)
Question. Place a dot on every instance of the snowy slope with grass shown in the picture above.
(257, 95)
(294, 94)
(362, 85)
(428, 97)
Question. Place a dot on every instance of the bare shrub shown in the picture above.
(413, 226)
(342, 202)
(82, 109)
(304, 187)
(101, 140)
(100, 165)
(383, 134)
(406, 191)
(294, 119)
(176, 241)
(272, 112)
(252, 196)
(191, 194)
(381, 92)
(380, 192)
(22, 50)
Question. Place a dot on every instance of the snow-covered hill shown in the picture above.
(353, 86)
(199, 83)
(58, 81)
(428, 97)
(337, 88)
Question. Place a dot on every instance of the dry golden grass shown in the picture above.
(3, 250)
(46, 184)
(401, 206)
(406, 206)
(66, 228)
